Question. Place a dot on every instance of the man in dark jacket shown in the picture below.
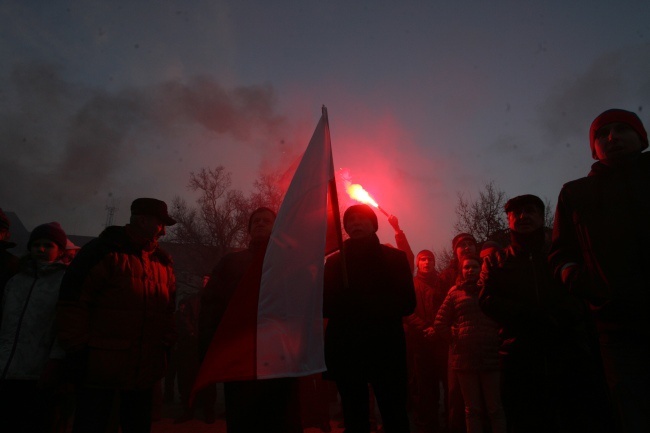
(600, 252)
(269, 405)
(364, 339)
(547, 369)
(429, 353)
(115, 319)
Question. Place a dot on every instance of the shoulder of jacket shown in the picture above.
(392, 252)
(578, 185)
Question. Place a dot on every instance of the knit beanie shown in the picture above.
(426, 253)
(51, 231)
(461, 237)
(364, 210)
(488, 248)
(617, 115)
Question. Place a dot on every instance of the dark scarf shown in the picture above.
(528, 242)
(617, 165)
(138, 241)
(429, 279)
(258, 244)
(367, 245)
(469, 286)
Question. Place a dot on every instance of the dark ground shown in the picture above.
(173, 410)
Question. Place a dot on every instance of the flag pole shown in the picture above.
(334, 198)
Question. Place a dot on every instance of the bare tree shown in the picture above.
(444, 258)
(483, 218)
(269, 191)
(219, 222)
(549, 213)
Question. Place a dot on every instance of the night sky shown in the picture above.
(102, 102)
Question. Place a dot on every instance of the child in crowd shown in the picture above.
(29, 357)
(474, 346)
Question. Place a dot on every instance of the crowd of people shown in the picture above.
(544, 334)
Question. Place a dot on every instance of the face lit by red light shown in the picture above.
(358, 225)
(615, 140)
(465, 247)
(262, 224)
(426, 264)
(525, 219)
(149, 226)
(470, 270)
(44, 250)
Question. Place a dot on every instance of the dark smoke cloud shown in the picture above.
(65, 143)
(566, 115)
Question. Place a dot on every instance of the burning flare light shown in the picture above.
(356, 192)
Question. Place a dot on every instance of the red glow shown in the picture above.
(356, 192)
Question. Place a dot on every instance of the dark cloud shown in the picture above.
(67, 143)
(615, 79)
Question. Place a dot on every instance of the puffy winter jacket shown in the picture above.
(115, 313)
(474, 337)
(29, 307)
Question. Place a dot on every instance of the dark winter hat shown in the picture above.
(4, 221)
(256, 211)
(521, 200)
(617, 115)
(488, 248)
(152, 207)
(425, 253)
(51, 231)
(364, 210)
(469, 256)
(461, 237)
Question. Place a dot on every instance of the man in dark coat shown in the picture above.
(600, 252)
(364, 339)
(549, 381)
(115, 319)
(269, 405)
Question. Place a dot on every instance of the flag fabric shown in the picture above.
(273, 325)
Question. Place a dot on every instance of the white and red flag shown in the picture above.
(273, 325)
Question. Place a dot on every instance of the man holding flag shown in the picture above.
(250, 404)
(270, 331)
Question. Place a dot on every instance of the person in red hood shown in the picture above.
(430, 354)
(600, 253)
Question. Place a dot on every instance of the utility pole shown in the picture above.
(110, 211)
